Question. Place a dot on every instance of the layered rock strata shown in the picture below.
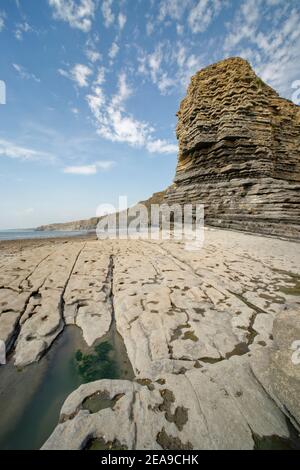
(239, 151)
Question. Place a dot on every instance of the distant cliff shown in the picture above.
(239, 151)
(239, 154)
(91, 224)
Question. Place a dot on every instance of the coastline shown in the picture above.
(13, 246)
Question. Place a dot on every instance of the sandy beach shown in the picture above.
(8, 247)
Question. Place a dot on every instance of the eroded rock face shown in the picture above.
(202, 332)
(278, 367)
(195, 410)
(239, 151)
(46, 288)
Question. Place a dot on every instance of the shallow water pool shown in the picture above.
(31, 398)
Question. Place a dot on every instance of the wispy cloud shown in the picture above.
(22, 28)
(167, 67)
(100, 76)
(2, 23)
(12, 150)
(270, 42)
(122, 20)
(161, 146)
(79, 74)
(172, 9)
(92, 169)
(93, 55)
(116, 124)
(107, 13)
(113, 50)
(24, 74)
(78, 14)
(203, 14)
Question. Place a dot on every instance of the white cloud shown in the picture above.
(2, 23)
(92, 169)
(244, 25)
(78, 14)
(149, 28)
(24, 74)
(11, 150)
(92, 55)
(107, 12)
(187, 67)
(112, 123)
(165, 83)
(22, 28)
(124, 91)
(181, 56)
(161, 146)
(202, 14)
(115, 124)
(122, 20)
(173, 9)
(96, 101)
(79, 74)
(169, 67)
(154, 61)
(273, 41)
(100, 76)
(113, 50)
(151, 65)
(179, 29)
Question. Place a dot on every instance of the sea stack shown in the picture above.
(239, 151)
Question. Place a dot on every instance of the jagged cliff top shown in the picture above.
(228, 74)
(239, 151)
(231, 85)
(228, 101)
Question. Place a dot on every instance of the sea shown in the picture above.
(26, 234)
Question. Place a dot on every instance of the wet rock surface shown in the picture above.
(208, 334)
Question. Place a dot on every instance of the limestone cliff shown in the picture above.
(91, 224)
(239, 151)
(87, 224)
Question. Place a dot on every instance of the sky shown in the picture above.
(93, 87)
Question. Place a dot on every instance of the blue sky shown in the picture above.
(93, 87)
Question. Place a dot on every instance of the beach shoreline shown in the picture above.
(13, 246)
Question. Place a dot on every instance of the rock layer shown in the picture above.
(239, 151)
